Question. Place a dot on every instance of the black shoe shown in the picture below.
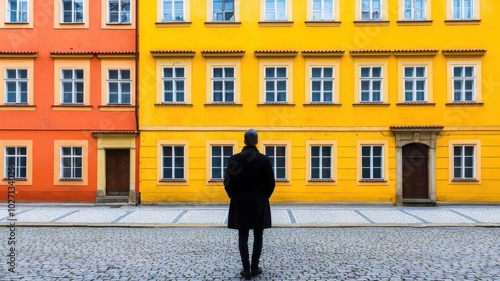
(246, 274)
(256, 271)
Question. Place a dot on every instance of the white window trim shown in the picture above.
(478, 79)
(383, 11)
(288, 12)
(288, 154)
(5, 23)
(73, 80)
(58, 14)
(174, 84)
(475, 13)
(58, 165)
(334, 161)
(276, 79)
(174, 62)
(185, 10)
(372, 79)
(477, 161)
(385, 162)
(120, 82)
(312, 62)
(167, 182)
(358, 63)
(427, 11)
(17, 80)
(414, 81)
(29, 160)
(210, 7)
(420, 62)
(209, 144)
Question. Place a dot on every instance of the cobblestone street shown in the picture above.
(360, 253)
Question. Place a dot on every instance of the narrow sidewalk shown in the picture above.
(216, 215)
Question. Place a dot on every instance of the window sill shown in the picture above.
(462, 22)
(318, 23)
(282, 180)
(17, 106)
(173, 180)
(72, 107)
(118, 23)
(462, 103)
(322, 104)
(321, 180)
(71, 23)
(222, 23)
(117, 107)
(71, 180)
(216, 181)
(223, 104)
(173, 24)
(373, 181)
(16, 179)
(371, 104)
(414, 22)
(410, 103)
(464, 180)
(174, 104)
(276, 104)
(16, 23)
(275, 23)
(371, 23)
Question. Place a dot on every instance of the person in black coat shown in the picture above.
(249, 183)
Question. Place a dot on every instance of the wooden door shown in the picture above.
(415, 171)
(117, 172)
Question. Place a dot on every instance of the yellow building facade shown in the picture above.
(387, 101)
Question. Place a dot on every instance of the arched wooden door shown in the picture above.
(415, 171)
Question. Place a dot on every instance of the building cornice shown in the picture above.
(464, 52)
(8, 54)
(173, 53)
(415, 52)
(223, 53)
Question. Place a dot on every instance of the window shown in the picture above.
(275, 10)
(16, 157)
(371, 9)
(71, 162)
(415, 83)
(174, 80)
(119, 86)
(321, 162)
(463, 9)
(464, 83)
(372, 162)
(223, 84)
(223, 10)
(322, 80)
(277, 155)
(72, 86)
(276, 84)
(219, 158)
(16, 86)
(172, 162)
(464, 166)
(415, 10)
(371, 83)
(17, 11)
(119, 11)
(173, 10)
(72, 11)
(322, 10)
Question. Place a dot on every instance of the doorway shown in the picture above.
(415, 171)
(117, 172)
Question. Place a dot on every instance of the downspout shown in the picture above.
(137, 141)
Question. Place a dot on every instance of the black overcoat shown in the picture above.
(249, 182)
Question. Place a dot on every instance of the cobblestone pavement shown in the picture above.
(210, 253)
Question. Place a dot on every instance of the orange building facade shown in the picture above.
(68, 129)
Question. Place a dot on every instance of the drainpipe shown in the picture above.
(137, 150)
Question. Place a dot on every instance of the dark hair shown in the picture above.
(251, 137)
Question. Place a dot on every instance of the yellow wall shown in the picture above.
(346, 123)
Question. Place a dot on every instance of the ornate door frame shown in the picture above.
(416, 134)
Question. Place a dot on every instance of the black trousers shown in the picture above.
(257, 247)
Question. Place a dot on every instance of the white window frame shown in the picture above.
(19, 81)
(173, 12)
(371, 79)
(274, 160)
(459, 13)
(371, 10)
(223, 11)
(73, 156)
(224, 157)
(120, 12)
(20, 12)
(462, 166)
(322, 80)
(321, 10)
(120, 81)
(371, 165)
(173, 158)
(276, 13)
(18, 157)
(321, 157)
(74, 19)
(174, 80)
(74, 85)
(463, 81)
(414, 80)
(412, 9)
(275, 81)
(224, 80)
